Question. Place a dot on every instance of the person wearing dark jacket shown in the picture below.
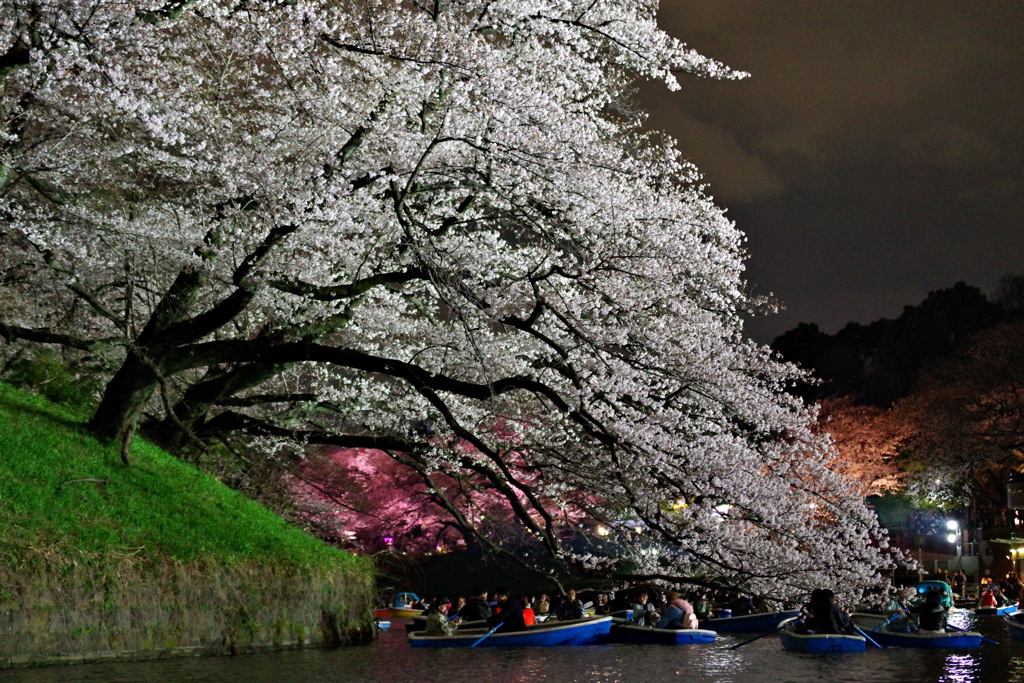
(931, 615)
(571, 609)
(476, 607)
(510, 618)
(825, 617)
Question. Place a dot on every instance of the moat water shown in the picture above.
(391, 660)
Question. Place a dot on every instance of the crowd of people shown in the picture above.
(655, 608)
(650, 607)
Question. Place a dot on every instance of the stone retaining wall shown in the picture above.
(121, 609)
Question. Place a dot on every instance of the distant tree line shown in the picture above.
(931, 402)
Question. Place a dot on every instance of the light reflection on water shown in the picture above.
(391, 660)
(960, 668)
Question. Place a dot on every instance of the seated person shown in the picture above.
(571, 608)
(510, 618)
(602, 608)
(678, 615)
(931, 615)
(437, 619)
(476, 608)
(702, 607)
(823, 617)
(643, 611)
(987, 599)
(543, 604)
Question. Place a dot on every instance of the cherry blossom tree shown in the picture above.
(435, 229)
(868, 440)
(967, 422)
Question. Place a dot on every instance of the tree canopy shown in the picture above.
(435, 229)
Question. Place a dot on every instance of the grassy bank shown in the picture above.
(63, 491)
(99, 560)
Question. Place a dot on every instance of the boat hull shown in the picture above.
(578, 632)
(883, 636)
(1014, 625)
(820, 643)
(1008, 609)
(752, 623)
(403, 613)
(641, 635)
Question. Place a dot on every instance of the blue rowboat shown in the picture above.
(1006, 609)
(576, 632)
(642, 635)
(885, 636)
(1014, 625)
(819, 643)
(957, 639)
(754, 623)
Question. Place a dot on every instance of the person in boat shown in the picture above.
(702, 607)
(643, 610)
(571, 608)
(476, 607)
(510, 618)
(931, 614)
(987, 599)
(823, 616)
(678, 615)
(543, 604)
(602, 607)
(437, 619)
(529, 616)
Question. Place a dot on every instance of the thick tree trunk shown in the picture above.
(193, 407)
(123, 399)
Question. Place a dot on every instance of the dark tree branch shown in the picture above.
(336, 292)
(45, 336)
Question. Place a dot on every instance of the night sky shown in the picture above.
(875, 153)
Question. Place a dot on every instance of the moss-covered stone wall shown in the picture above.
(66, 612)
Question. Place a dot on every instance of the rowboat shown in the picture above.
(1005, 609)
(576, 632)
(401, 606)
(799, 642)
(623, 633)
(884, 636)
(1014, 625)
(420, 624)
(382, 625)
(758, 623)
(382, 613)
(941, 586)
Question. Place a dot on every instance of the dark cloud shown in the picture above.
(875, 153)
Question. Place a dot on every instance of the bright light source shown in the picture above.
(951, 538)
(952, 525)
(602, 531)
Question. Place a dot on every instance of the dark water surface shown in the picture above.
(391, 660)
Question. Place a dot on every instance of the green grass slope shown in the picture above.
(159, 507)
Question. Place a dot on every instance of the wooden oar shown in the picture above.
(484, 636)
(774, 630)
(870, 639)
(963, 630)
